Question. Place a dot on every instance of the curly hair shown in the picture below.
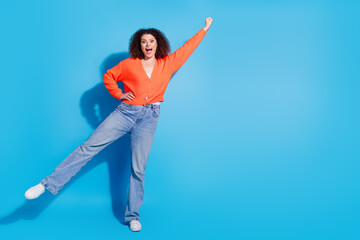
(163, 46)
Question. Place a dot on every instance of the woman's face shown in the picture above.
(148, 45)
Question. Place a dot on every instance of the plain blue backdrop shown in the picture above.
(258, 136)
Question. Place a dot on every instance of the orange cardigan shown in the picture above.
(149, 90)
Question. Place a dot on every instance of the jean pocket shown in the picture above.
(156, 111)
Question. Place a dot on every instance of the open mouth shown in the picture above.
(148, 50)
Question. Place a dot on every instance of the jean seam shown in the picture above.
(46, 185)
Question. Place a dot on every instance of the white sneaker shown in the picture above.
(35, 191)
(135, 225)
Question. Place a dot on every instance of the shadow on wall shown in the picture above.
(96, 104)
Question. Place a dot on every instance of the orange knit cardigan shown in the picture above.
(149, 90)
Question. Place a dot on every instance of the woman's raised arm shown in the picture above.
(179, 57)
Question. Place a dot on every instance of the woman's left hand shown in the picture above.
(208, 22)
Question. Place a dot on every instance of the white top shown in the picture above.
(149, 75)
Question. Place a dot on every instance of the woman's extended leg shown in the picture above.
(114, 126)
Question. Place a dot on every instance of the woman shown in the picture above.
(145, 75)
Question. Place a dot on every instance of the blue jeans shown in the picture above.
(138, 120)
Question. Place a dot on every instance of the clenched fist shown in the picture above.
(208, 22)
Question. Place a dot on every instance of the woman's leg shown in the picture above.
(142, 136)
(114, 126)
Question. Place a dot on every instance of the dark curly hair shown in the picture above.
(163, 46)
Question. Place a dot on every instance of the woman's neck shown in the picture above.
(149, 59)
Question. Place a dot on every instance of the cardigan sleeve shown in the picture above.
(110, 78)
(179, 57)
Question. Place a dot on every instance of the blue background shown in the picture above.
(258, 136)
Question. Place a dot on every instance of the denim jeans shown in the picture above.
(138, 120)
